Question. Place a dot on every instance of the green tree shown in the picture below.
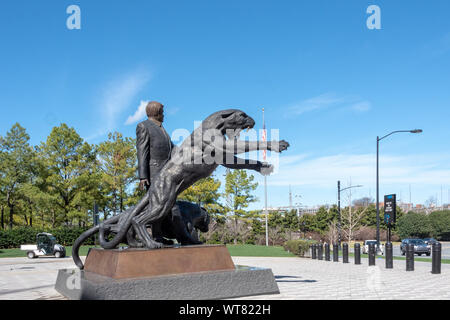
(70, 176)
(205, 193)
(275, 219)
(32, 195)
(323, 218)
(440, 223)
(291, 221)
(414, 225)
(117, 164)
(258, 229)
(370, 217)
(3, 203)
(15, 158)
(238, 192)
(307, 222)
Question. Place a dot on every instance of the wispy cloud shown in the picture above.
(327, 101)
(326, 170)
(139, 113)
(439, 46)
(362, 106)
(116, 97)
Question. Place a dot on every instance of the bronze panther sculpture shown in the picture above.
(194, 217)
(215, 142)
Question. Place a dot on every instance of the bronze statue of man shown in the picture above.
(154, 148)
(153, 144)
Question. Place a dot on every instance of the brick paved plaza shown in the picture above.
(297, 278)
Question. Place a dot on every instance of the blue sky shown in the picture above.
(327, 82)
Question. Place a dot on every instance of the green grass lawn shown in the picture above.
(245, 250)
(248, 250)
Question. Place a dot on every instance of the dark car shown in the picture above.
(420, 247)
(430, 241)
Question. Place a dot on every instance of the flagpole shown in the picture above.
(265, 183)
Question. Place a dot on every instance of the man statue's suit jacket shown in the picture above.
(153, 146)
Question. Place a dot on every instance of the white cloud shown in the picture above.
(172, 111)
(361, 106)
(316, 103)
(119, 94)
(326, 170)
(116, 96)
(139, 114)
(418, 176)
(330, 100)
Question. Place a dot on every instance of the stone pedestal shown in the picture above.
(191, 272)
(138, 263)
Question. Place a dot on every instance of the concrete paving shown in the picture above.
(297, 278)
(303, 278)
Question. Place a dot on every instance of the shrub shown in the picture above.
(298, 247)
(414, 225)
(370, 233)
(440, 223)
(65, 236)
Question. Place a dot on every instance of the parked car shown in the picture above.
(420, 247)
(366, 246)
(430, 241)
(45, 246)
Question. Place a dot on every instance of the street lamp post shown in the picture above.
(339, 208)
(378, 196)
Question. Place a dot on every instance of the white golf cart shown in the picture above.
(45, 246)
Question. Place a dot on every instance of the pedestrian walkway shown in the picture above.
(297, 278)
(304, 278)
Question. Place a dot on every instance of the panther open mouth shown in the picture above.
(236, 133)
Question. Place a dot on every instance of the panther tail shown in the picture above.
(82, 238)
(77, 244)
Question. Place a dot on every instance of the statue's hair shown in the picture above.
(153, 109)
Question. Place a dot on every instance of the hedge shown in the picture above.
(298, 247)
(25, 235)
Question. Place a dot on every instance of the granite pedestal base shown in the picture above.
(193, 273)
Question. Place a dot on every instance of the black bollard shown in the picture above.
(335, 252)
(371, 254)
(357, 253)
(345, 253)
(410, 257)
(327, 252)
(314, 251)
(389, 256)
(320, 251)
(436, 258)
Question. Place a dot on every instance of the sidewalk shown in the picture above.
(304, 278)
(297, 278)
